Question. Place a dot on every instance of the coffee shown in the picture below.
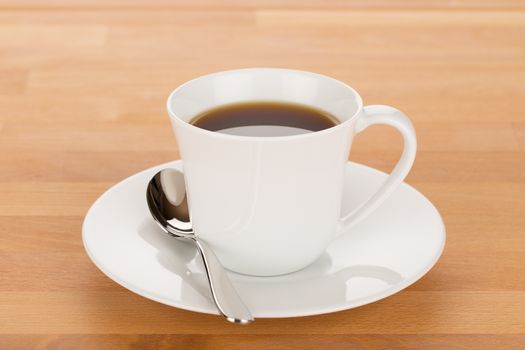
(264, 118)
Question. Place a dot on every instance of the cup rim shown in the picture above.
(329, 130)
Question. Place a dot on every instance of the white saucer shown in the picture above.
(394, 247)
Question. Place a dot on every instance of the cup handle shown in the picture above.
(380, 114)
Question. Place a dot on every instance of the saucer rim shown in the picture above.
(313, 311)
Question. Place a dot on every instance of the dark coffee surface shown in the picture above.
(264, 118)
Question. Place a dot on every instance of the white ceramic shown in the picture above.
(272, 205)
(389, 250)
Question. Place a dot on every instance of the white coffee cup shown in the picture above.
(272, 205)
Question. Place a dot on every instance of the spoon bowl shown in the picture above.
(166, 197)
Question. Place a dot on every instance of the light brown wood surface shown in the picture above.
(82, 94)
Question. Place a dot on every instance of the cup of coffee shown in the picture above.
(264, 153)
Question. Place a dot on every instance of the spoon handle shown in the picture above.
(224, 294)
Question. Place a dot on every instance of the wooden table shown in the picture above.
(82, 94)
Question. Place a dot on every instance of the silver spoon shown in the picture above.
(166, 197)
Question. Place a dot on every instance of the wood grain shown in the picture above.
(279, 342)
(82, 92)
